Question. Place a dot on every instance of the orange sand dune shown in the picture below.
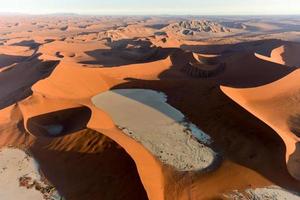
(285, 55)
(61, 160)
(61, 49)
(82, 82)
(147, 165)
(277, 105)
(16, 50)
(57, 87)
(38, 105)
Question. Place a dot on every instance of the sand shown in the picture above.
(282, 95)
(145, 116)
(285, 55)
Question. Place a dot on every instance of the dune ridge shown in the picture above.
(262, 104)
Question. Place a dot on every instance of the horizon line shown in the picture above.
(138, 14)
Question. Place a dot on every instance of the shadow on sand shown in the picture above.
(125, 52)
(104, 172)
(7, 60)
(294, 124)
(28, 43)
(59, 123)
(16, 82)
(263, 47)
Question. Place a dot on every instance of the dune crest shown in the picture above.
(274, 104)
(286, 54)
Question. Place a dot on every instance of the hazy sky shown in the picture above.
(201, 7)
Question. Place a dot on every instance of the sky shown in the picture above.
(153, 7)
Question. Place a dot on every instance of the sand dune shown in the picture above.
(285, 55)
(275, 104)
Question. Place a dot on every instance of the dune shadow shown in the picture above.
(125, 52)
(293, 61)
(263, 47)
(28, 43)
(15, 83)
(294, 124)
(105, 171)
(6, 60)
(59, 123)
(249, 71)
(293, 162)
(157, 26)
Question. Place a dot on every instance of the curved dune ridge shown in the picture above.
(144, 116)
(62, 156)
(277, 105)
(204, 66)
(287, 54)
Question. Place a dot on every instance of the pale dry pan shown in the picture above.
(145, 116)
(15, 164)
(267, 193)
